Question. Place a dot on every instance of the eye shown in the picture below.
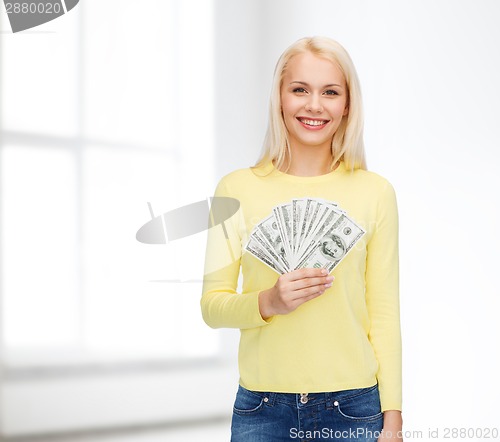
(331, 92)
(299, 90)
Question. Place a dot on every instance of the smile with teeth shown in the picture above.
(309, 122)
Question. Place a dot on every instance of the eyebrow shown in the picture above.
(306, 84)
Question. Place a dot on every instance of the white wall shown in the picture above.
(241, 83)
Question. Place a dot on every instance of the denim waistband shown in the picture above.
(308, 399)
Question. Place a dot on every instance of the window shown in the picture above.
(98, 119)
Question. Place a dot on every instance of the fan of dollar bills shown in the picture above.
(306, 232)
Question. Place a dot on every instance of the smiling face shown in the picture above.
(313, 101)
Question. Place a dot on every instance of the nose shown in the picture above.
(314, 104)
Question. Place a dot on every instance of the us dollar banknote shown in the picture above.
(306, 232)
(330, 247)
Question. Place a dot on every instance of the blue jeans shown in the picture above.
(348, 415)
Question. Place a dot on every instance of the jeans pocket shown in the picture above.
(247, 402)
(363, 406)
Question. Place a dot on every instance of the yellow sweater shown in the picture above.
(349, 337)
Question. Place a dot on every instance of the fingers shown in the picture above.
(311, 289)
(294, 288)
(309, 285)
(304, 283)
(311, 282)
(306, 273)
(307, 295)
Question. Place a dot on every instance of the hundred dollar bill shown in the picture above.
(275, 251)
(305, 205)
(310, 220)
(330, 215)
(254, 247)
(309, 205)
(272, 233)
(333, 204)
(296, 218)
(283, 219)
(334, 245)
(318, 213)
(317, 220)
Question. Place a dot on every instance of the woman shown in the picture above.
(320, 354)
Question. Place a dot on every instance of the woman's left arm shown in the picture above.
(382, 299)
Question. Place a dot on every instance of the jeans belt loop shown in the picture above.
(269, 398)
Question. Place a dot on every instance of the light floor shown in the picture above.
(210, 432)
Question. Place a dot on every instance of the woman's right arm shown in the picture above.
(222, 306)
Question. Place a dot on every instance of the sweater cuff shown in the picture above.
(390, 400)
(258, 317)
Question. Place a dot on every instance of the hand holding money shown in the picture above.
(293, 289)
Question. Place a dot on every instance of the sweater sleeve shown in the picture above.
(221, 304)
(382, 298)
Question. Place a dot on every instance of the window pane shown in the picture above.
(40, 78)
(196, 103)
(144, 79)
(39, 228)
(130, 72)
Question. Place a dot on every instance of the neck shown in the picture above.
(309, 162)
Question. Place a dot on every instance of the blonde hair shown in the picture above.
(347, 143)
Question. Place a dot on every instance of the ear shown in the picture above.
(346, 110)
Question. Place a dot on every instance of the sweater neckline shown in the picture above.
(273, 171)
